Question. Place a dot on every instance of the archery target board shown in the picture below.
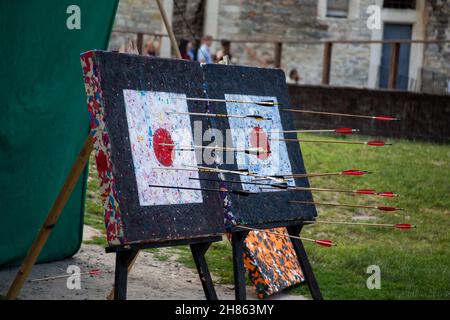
(270, 206)
(153, 131)
(130, 98)
(252, 133)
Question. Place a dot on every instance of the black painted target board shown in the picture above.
(137, 95)
(270, 206)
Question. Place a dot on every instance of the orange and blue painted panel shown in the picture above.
(271, 262)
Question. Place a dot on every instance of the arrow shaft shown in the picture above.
(312, 131)
(344, 205)
(263, 103)
(337, 114)
(274, 185)
(223, 170)
(353, 223)
(190, 148)
(220, 115)
(276, 233)
(320, 141)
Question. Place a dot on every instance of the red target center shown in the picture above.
(163, 147)
(258, 139)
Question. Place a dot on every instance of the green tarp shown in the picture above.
(43, 118)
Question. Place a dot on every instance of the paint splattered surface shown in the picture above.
(154, 134)
(252, 133)
(271, 262)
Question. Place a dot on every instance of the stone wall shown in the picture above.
(436, 71)
(293, 19)
(138, 15)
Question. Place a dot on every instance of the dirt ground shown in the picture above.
(149, 279)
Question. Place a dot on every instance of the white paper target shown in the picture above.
(150, 128)
(251, 133)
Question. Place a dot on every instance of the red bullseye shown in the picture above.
(164, 153)
(258, 139)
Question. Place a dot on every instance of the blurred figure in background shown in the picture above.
(186, 50)
(294, 77)
(223, 51)
(204, 52)
(153, 46)
(264, 61)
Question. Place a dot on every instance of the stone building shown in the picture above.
(254, 26)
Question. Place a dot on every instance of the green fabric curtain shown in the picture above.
(43, 118)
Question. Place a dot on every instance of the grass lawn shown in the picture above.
(414, 264)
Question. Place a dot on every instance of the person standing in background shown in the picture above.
(153, 46)
(224, 51)
(294, 77)
(204, 52)
(186, 50)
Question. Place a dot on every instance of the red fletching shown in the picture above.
(354, 172)
(387, 194)
(95, 272)
(404, 226)
(365, 191)
(344, 130)
(385, 118)
(376, 143)
(324, 243)
(382, 208)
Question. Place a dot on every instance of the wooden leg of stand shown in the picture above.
(123, 260)
(51, 220)
(110, 296)
(198, 253)
(237, 243)
(304, 263)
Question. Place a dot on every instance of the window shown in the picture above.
(400, 4)
(337, 8)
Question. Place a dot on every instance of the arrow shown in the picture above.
(264, 103)
(352, 172)
(323, 243)
(373, 143)
(339, 130)
(400, 226)
(381, 208)
(379, 118)
(275, 185)
(221, 115)
(243, 172)
(93, 272)
(255, 151)
(237, 192)
(285, 186)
